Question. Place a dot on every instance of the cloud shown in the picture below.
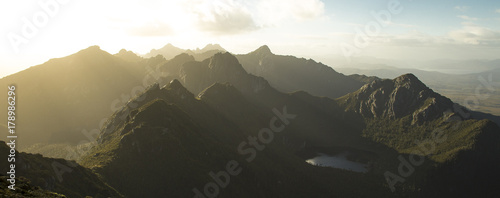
(221, 17)
(273, 12)
(226, 17)
(476, 35)
(462, 8)
(497, 11)
(402, 25)
(468, 18)
(151, 29)
(307, 9)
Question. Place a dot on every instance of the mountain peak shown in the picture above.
(262, 50)
(175, 87)
(210, 46)
(91, 53)
(409, 77)
(175, 84)
(128, 55)
(91, 49)
(224, 61)
(168, 51)
(184, 57)
(169, 45)
(410, 81)
(405, 95)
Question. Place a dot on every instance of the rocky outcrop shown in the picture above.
(403, 96)
(221, 68)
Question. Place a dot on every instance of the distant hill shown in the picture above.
(207, 48)
(169, 51)
(128, 56)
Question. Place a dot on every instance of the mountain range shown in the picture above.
(243, 126)
(169, 51)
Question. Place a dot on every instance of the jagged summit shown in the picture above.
(91, 54)
(168, 51)
(176, 88)
(225, 64)
(128, 55)
(154, 86)
(210, 47)
(175, 64)
(410, 80)
(184, 57)
(225, 56)
(92, 50)
(289, 73)
(262, 51)
(397, 98)
(174, 84)
(93, 47)
(169, 45)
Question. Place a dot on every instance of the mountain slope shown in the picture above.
(25, 189)
(64, 96)
(225, 68)
(57, 175)
(183, 139)
(405, 115)
(397, 98)
(222, 67)
(288, 73)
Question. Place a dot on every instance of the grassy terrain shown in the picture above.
(25, 189)
(57, 175)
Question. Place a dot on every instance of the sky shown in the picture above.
(32, 32)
